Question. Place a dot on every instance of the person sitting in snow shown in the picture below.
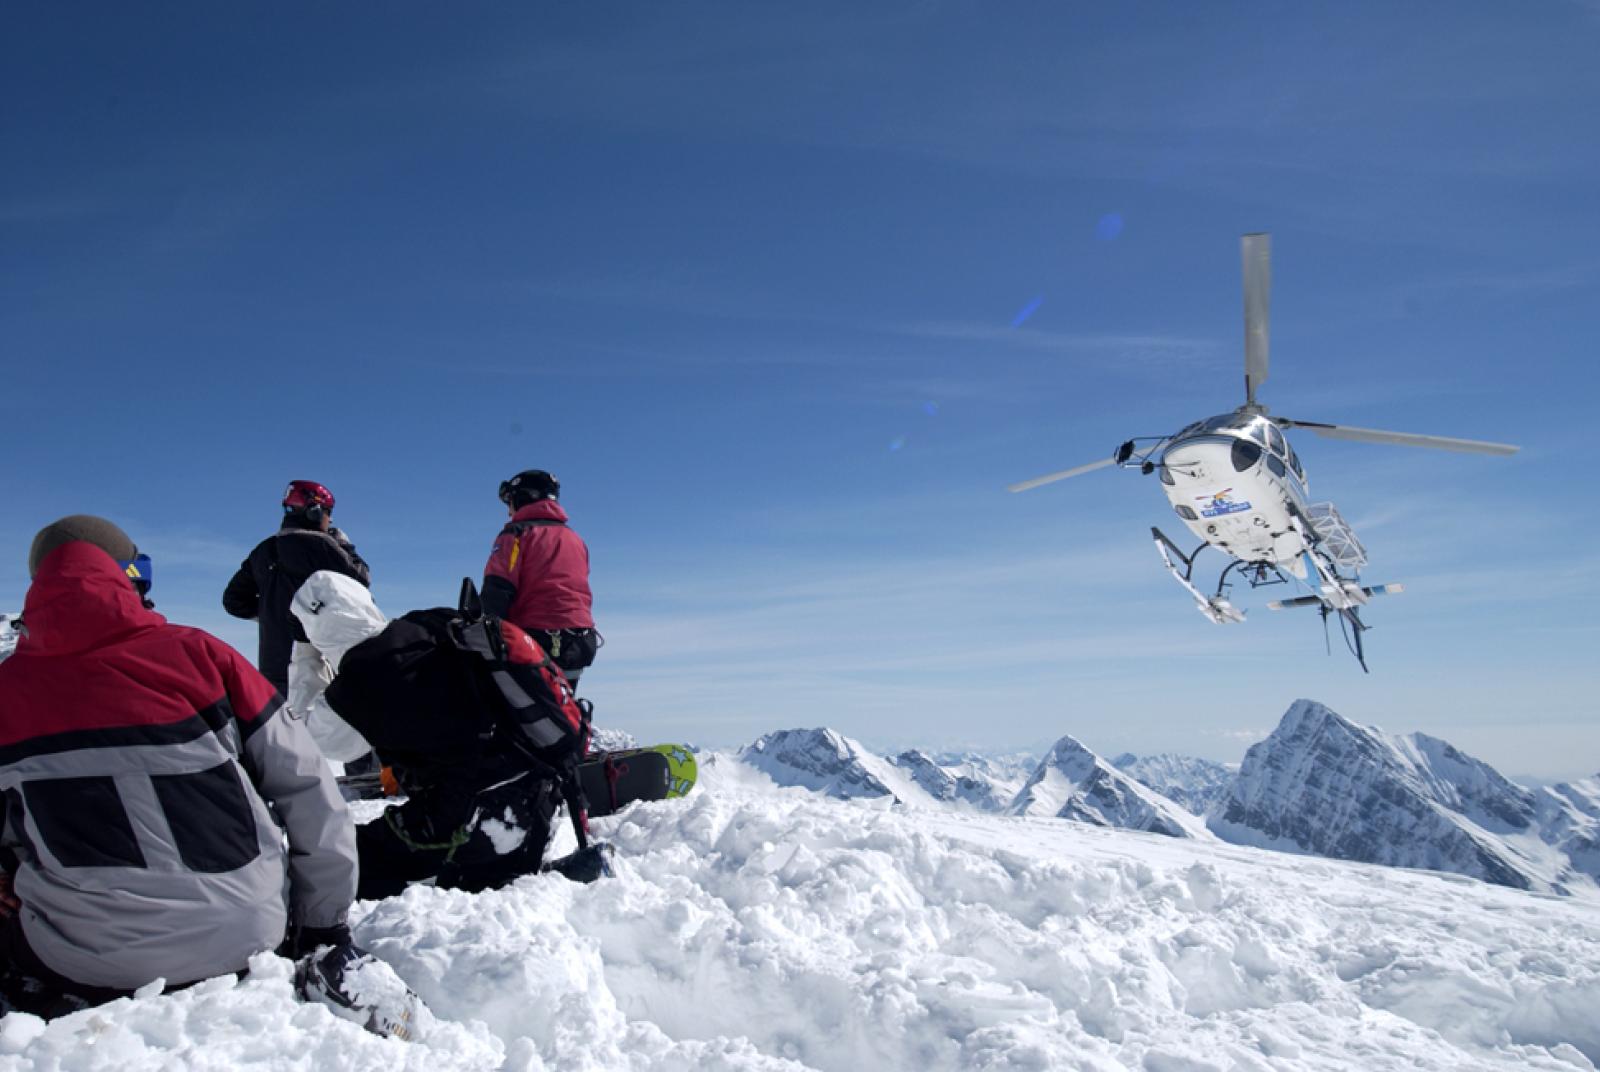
(479, 802)
(162, 817)
(537, 576)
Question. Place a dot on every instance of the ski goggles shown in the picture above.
(137, 570)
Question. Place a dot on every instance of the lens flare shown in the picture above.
(1027, 311)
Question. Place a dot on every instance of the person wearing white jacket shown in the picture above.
(337, 613)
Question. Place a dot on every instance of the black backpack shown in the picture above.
(440, 689)
(537, 712)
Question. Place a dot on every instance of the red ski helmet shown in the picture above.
(307, 497)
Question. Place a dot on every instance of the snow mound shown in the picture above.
(753, 927)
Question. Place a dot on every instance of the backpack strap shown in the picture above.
(517, 528)
(483, 638)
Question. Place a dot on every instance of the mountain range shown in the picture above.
(1319, 785)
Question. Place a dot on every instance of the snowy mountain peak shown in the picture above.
(1569, 821)
(1322, 784)
(968, 779)
(1071, 756)
(1072, 782)
(1308, 716)
(1470, 785)
(826, 761)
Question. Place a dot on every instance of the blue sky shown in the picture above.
(786, 295)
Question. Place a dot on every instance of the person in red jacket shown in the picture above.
(537, 577)
(160, 814)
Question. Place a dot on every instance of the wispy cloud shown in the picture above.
(1508, 285)
(1142, 350)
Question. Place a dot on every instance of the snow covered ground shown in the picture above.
(752, 927)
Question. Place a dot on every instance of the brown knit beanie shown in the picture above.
(96, 530)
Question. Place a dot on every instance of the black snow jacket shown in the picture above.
(268, 579)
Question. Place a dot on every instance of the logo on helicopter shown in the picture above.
(1220, 504)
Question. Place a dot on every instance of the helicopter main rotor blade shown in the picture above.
(1399, 439)
(1256, 252)
(1051, 478)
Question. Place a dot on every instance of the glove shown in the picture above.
(585, 865)
(305, 940)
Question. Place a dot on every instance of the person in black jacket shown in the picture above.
(267, 580)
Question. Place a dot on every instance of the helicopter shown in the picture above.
(1239, 486)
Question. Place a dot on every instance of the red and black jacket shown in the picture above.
(537, 576)
(137, 760)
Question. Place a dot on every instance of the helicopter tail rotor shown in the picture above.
(1256, 252)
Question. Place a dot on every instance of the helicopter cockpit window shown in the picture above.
(1258, 432)
(1275, 439)
(1246, 453)
(1187, 513)
(1275, 465)
(1166, 476)
(1294, 463)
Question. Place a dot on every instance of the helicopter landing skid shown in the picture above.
(1215, 608)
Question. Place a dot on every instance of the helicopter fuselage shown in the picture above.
(1236, 483)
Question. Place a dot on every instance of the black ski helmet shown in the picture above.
(530, 485)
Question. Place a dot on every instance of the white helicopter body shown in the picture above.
(1237, 484)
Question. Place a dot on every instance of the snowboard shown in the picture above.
(610, 780)
(613, 780)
